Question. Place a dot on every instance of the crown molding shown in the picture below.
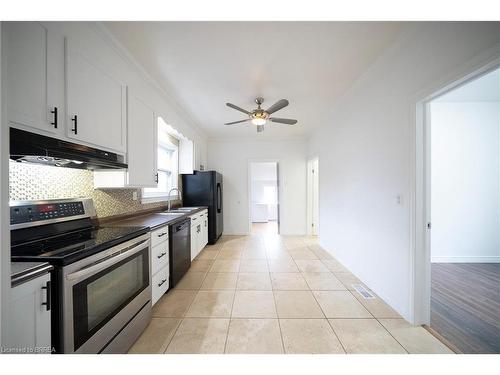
(124, 53)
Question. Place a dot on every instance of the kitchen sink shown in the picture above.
(172, 213)
(187, 209)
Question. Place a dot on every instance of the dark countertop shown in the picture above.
(154, 220)
(21, 272)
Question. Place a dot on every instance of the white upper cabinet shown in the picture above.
(186, 156)
(142, 144)
(96, 103)
(141, 150)
(34, 74)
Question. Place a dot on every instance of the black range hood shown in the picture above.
(34, 148)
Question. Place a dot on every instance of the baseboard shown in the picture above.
(465, 259)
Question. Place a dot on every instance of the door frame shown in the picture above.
(420, 183)
(249, 190)
(310, 196)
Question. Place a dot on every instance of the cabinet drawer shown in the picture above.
(159, 235)
(159, 257)
(160, 284)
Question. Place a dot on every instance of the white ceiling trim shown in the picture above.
(132, 61)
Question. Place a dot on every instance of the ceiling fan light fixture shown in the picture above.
(258, 121)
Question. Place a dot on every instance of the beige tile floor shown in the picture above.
(275, 294)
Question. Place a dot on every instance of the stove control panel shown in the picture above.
(21, 214)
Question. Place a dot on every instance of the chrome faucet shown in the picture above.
(180, 196)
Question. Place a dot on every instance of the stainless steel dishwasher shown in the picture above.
(180, 250)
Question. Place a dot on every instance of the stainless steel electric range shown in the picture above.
(100, 287)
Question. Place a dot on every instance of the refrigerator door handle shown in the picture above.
(219, 199)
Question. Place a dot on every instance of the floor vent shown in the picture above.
(365, 293)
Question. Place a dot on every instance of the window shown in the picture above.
(167, 166)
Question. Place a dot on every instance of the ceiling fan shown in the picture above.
(260, 117)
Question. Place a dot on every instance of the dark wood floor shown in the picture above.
(465, 305)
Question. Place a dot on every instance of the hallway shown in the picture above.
(271, 227)
(262, 293)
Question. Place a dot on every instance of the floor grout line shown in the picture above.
(279, 324)
(257, 244)
(231, 314)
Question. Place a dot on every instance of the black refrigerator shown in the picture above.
(204, 188)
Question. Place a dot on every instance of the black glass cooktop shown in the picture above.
(71, 247)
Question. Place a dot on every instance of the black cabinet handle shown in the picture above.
(48, 302)
(162, 234)
(54, 112)
(161, 255)
(162, 282)
(75, 123)
(156, 177)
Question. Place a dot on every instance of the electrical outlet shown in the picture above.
(134, 195)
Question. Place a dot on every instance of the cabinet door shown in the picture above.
(205, 229)
(96, 103)
(194, 242)
(34, 76)
(186, 156)
(142, 144)
(199, 232)
(29, 320)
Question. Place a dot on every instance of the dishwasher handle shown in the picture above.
(181, 226)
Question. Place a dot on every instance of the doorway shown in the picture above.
(463, 208)
(264, 197)
(313, 197)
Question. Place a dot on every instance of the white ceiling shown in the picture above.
(206, 64)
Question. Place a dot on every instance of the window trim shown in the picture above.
(163, 196)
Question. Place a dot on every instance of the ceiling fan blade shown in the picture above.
(260, 128)
(277, 106)
(238, 108)
(283, 120)
(236, 122)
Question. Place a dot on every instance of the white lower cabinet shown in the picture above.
(204, 230)
(194, 236)
(199, 232)
(160, 270)
(29, 326)
(160, 284)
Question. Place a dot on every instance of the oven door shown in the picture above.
(103, 296)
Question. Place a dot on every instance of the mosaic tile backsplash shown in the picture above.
(31, 182)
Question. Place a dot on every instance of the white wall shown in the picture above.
(231, 156)
(465, 174)
(366, 159)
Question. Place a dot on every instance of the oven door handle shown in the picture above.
(106, 262)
